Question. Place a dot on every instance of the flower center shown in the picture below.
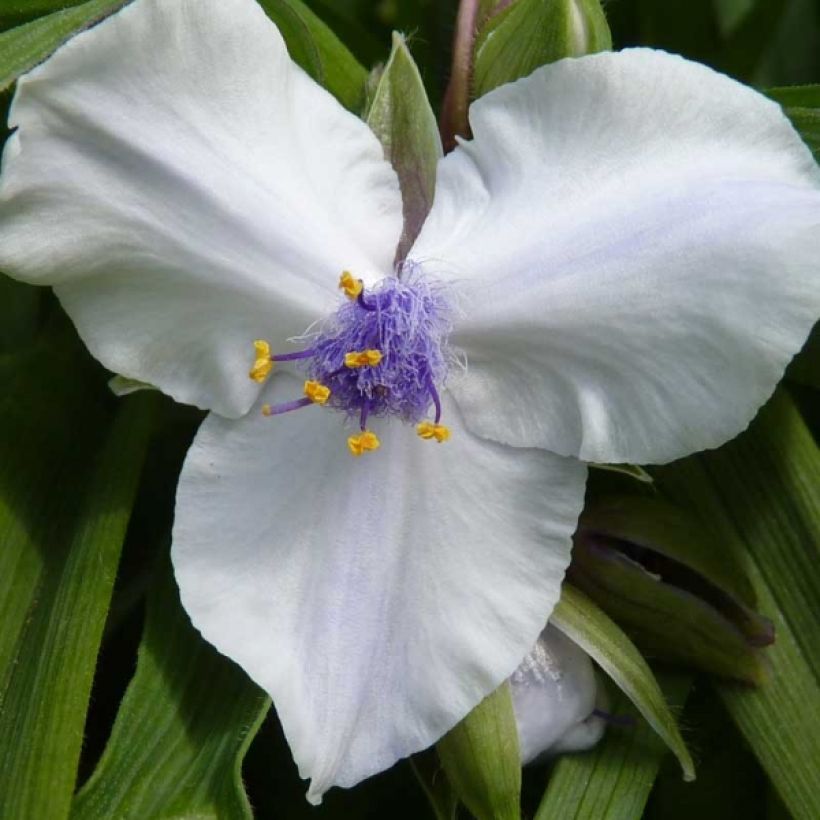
(384, 352)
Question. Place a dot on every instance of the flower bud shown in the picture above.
(525, 34)
(678, 596)
(556, 699)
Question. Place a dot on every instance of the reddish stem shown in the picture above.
(454, 121)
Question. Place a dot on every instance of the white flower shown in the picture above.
(627, 253)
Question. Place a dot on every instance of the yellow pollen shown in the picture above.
(363, 442)
(265, 409)
(317, 392)
(428, 430)
(352, 287)
(363, 358)
(262, 365)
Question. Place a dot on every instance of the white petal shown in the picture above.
(554, 692)
(637, 239)
(188, 189)
(376, 599)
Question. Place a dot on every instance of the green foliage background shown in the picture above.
(110, 703)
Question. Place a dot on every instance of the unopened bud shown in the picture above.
(556, 699)
(524, 35)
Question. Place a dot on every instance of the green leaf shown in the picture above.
(760, 493)
(582, 621)
(318, 51)
(182, 729)
(24, 47)
(802, 106)
(401, 117)
(612, 781)
(482, 759)
(16, 12)
(63, 526)
(530, 33)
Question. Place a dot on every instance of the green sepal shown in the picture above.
(531, 33)
(313, 46)
(604, 641)
(401, 117)
(482, 759)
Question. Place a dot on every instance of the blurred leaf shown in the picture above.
(760, 492)
(613, 780)
(730, 781)
(746, 46)
(435, 783)
(687, 27)
(802, 106)
(182, 729)
(318, 51)
(730, 13)
(401, 117)
(63, 528)
(805, 367)
(482, 759)
(530, 33)
(21, 314)
(23, 47)
(582, 621)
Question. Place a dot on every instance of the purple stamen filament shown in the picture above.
(364, 414)
(435, 397)
(286, 407)
(363, 304)
(406, 320)
(292, 357)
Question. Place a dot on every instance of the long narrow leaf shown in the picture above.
(613, 781)
(182, 729)
(760, 494)
(60, 605)
(612, 650)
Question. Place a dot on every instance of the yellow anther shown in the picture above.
(352, 287)
(317, 392)
(363, 358)
(266, 410)
(363, 442)
(429, 430)
(262, 365)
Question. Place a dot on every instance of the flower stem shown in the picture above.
(453, 121)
